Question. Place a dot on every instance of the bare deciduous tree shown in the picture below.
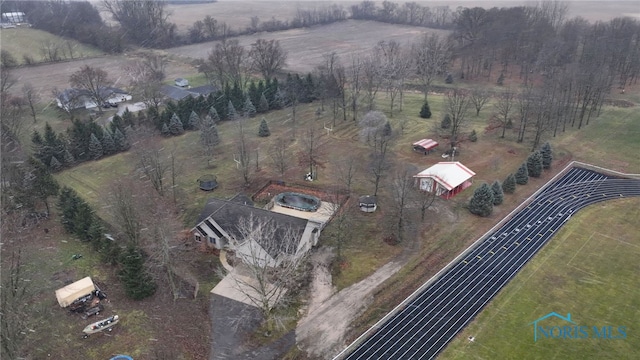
(267, 57)
(280, 157)
(150, 160)
(146, 76)
(504, 107)
(479, 97)
(243, 158)
(457, 105)
(266, 283)
(146, 22)
(226, 63)
(432, 55)
(355, 86)
(372, 79)
(13, 297)
(347, 169)
(124, 203)
(93, 81)
(400, 191)
(32, 97)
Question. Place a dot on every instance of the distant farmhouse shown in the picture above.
(72, 98)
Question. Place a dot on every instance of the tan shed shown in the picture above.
(72, 292)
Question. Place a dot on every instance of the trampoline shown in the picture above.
(298, 201)
(208, 182)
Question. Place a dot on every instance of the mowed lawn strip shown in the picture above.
(589, 269)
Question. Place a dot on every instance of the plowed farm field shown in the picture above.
(307, 46)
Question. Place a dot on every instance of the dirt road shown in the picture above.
(322, 330)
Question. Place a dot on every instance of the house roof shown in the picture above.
(174, 93)
(426, 143)
(449, 174)
(177, 93)
(71, 94)
(226, 214)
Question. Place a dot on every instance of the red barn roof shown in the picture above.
(427, 144)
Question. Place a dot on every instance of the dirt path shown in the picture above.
(321, 331)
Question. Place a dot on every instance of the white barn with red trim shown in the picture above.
(446, 179)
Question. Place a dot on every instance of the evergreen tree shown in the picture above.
(108, 145)
(68, 159)
(473, 137)
(263, 131)
(120, 141)
(128, 118)
(68, 206)
(232, 114)
(165, 130)
(116, 123)
(55, 165)
(482, 202)
(175, 125)
(263, 105)
(509, 184)
(137, 282)
(213, 113)
(82, 220)
(425, 112)
(522, 175)
(498, 194)
(252, 92)
(95, 234)
(279, 100)
(194, 121)
(248, 109)
(38, 146)
(547, 156)
(95, 148)
(386, 129)
(41, 184)
(446, 122)
(209, 137)
(449, 79)
(534, 164)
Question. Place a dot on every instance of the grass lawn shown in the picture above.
(31, 42)
(589, 269)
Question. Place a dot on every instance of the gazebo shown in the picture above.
(446, 179)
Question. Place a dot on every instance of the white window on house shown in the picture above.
(212, 240)
(198, 238)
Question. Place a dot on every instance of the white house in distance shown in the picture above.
(217, 228)
(73, 98)
(446, 179)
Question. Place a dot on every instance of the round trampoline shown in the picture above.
(208, 182)
(298, 201)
